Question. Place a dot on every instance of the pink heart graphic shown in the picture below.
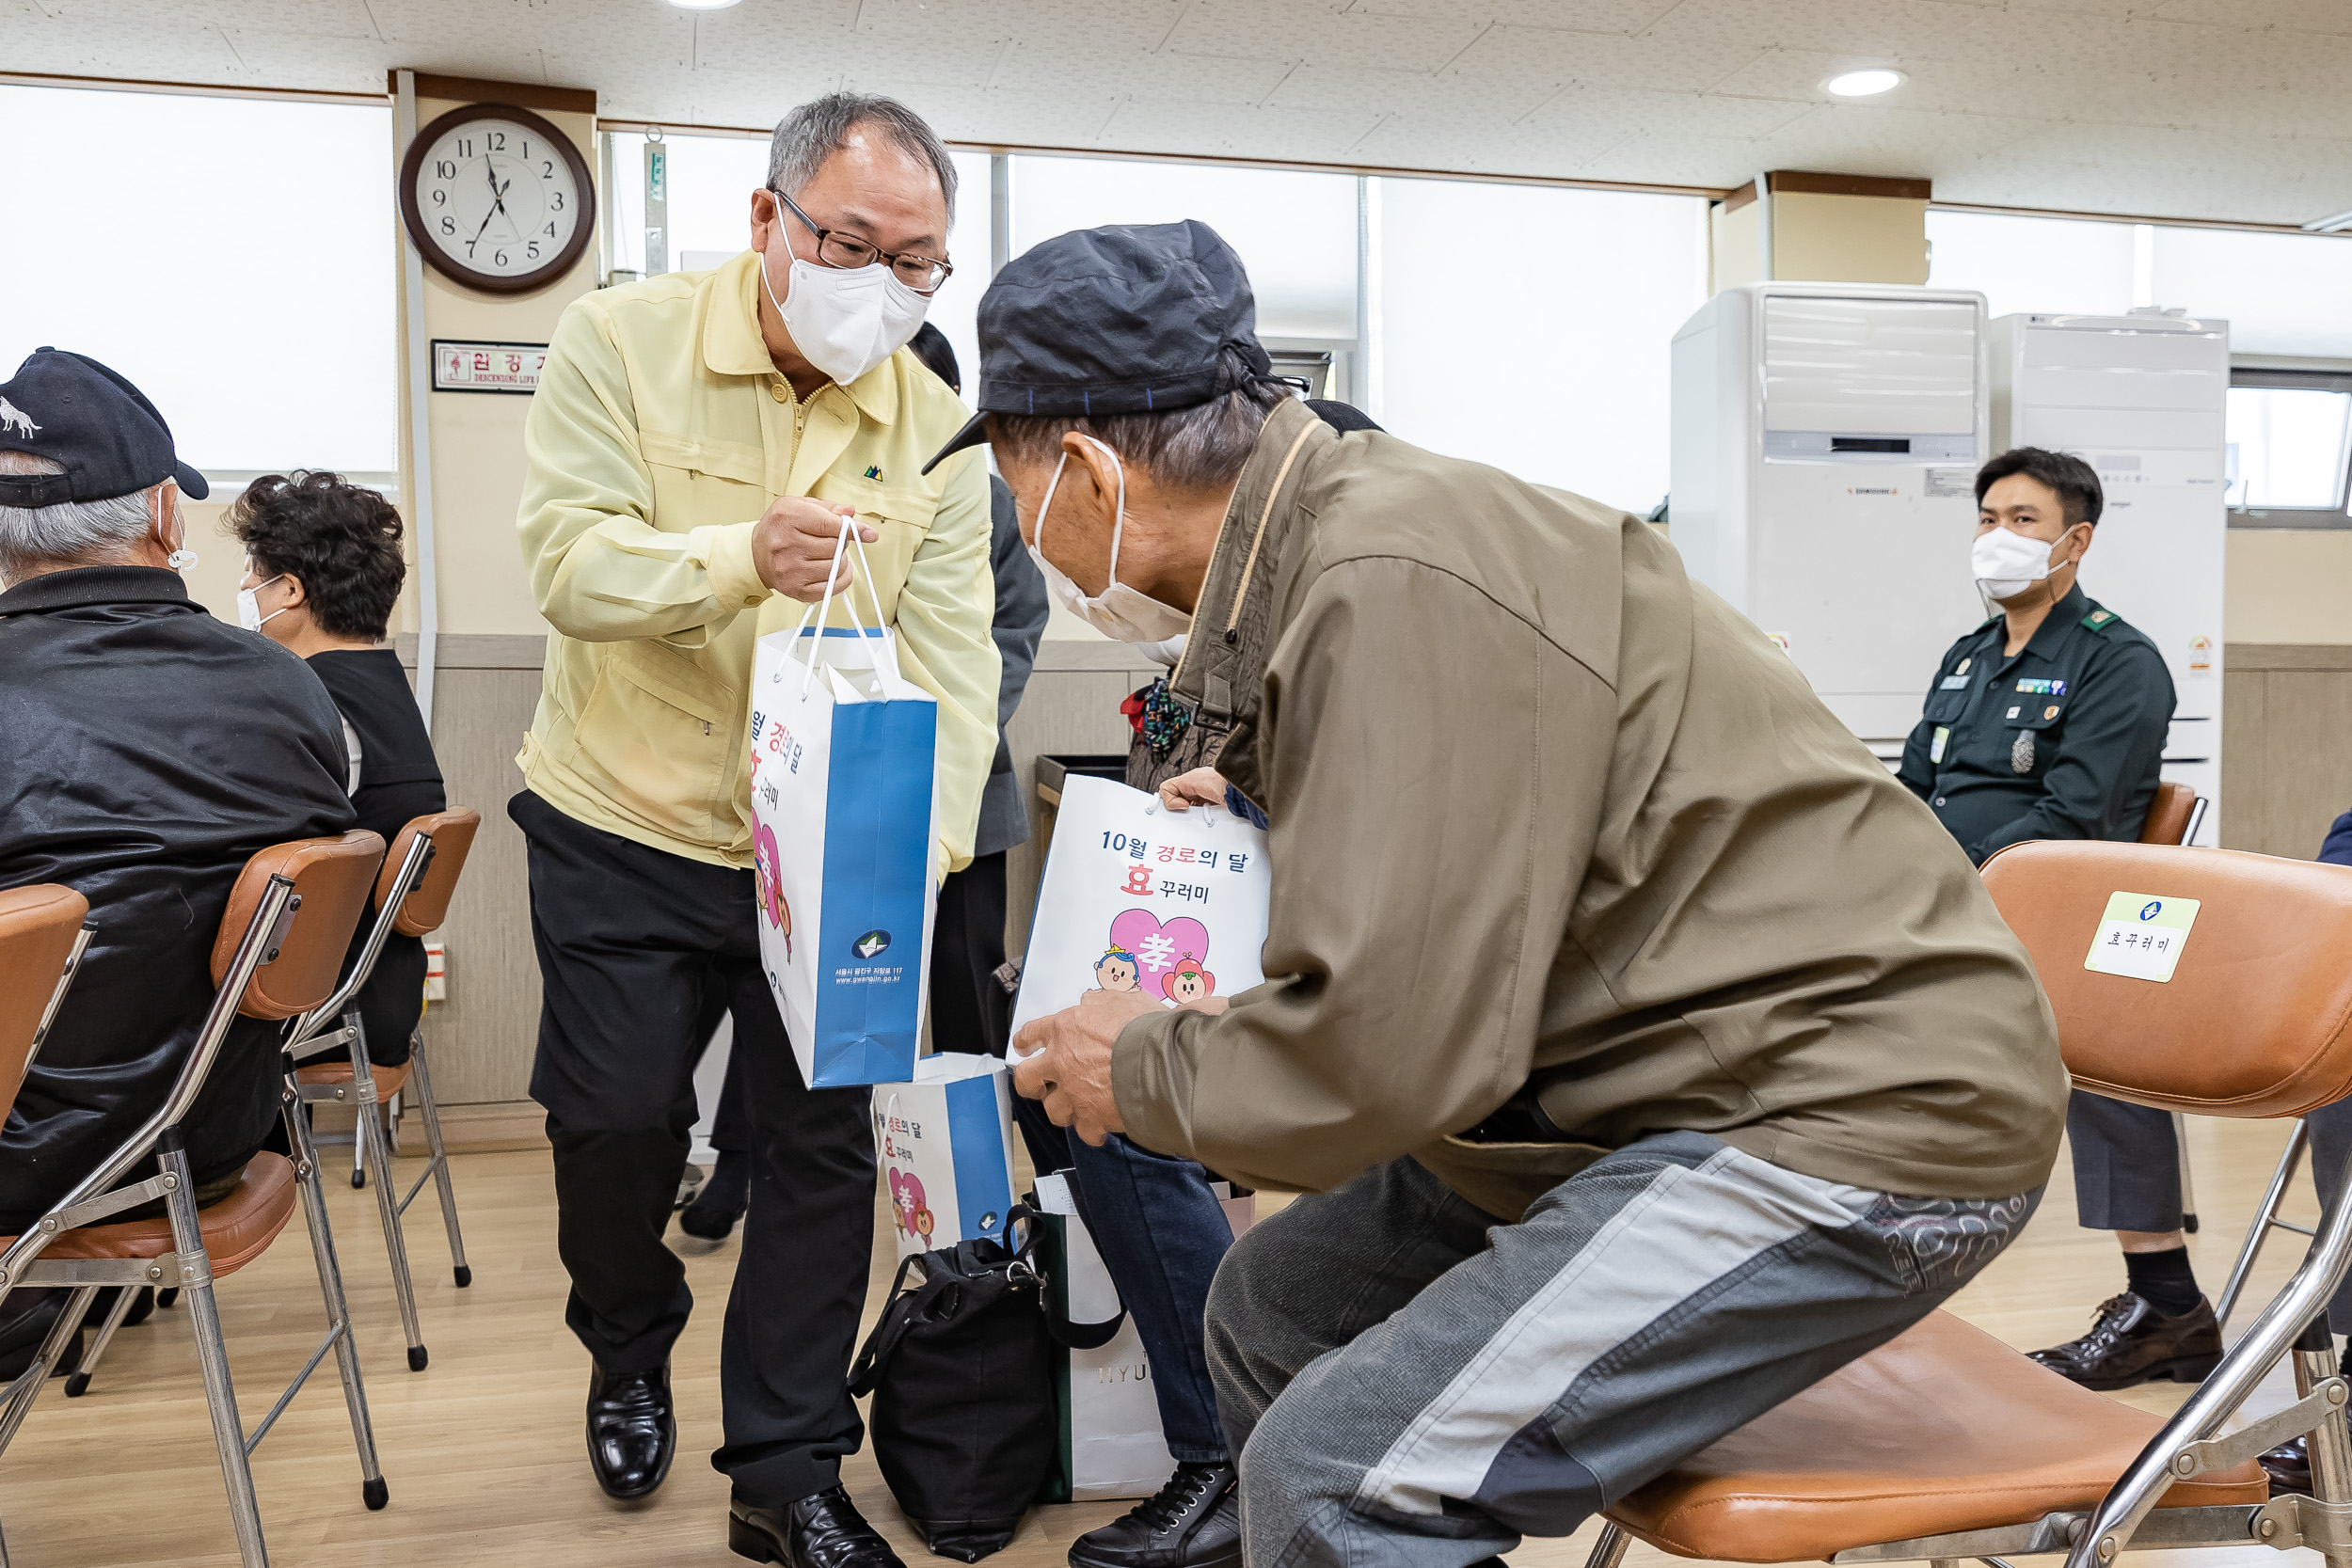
(1157, 947)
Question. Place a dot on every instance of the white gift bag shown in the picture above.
(1139, 897)
(844, 802)
(1111, 1441)
(945, 1147)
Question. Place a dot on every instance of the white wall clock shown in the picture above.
(496, 199)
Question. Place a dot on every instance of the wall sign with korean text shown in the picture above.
(488, 367)
(2140, 936)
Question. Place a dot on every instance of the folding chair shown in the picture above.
(42, 936)
(289, 920)
(2173, 817)
(1944, 1444)
(412, 897)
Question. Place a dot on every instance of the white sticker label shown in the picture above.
(2140, 936)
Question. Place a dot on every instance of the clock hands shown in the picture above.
(497, 202)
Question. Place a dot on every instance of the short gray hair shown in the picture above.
(1202, 447)
(71, 533)
(821, 128)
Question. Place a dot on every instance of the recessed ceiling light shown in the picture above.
(704, 4)
(1853, 84)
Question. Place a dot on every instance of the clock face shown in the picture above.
(497, 198)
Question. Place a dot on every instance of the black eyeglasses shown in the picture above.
(923, 274)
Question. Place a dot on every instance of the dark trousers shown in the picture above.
(2128, 1164)
(635, 945)
(1162, 1233)
(971, 1011)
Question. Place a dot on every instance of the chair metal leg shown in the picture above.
(370, 1144)
(28, 1386)
(212, 1351)
(1609, 1551)
(78, 1384)
(2188, 1187)
(372, 1487)
(430, 1109)
(2264, 1218)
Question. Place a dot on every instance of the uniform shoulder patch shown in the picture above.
(2101, 620)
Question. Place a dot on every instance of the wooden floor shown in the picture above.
(484, 1451)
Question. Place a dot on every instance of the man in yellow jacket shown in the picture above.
(694, 443)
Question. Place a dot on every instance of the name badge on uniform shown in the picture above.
(1936, 748)
(1952, 683)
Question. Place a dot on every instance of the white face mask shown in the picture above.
(249, 614)
(1124, 614)
(844, 320)
(2006, 563)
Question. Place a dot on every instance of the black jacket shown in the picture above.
(399, 780)
(1021, 608)
(146, 752)
(2062, 739)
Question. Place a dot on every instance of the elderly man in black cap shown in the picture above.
(150, 751)
(1647, 1051)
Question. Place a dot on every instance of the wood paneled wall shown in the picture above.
(2286, 745)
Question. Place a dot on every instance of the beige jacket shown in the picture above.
(1557, 835)
(658, 435)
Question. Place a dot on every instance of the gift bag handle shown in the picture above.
(822, 610)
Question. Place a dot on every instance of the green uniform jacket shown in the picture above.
(2064, 740)
(1565, 852)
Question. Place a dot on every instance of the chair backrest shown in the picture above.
(38, 926)
(2168, 814)
(2252, 1014)
(330, 877)
(427, 904)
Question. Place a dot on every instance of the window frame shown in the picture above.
(2317, 379)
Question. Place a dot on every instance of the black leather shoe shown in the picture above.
(632, 1432)
(2131, 1343)
(1192, 1522)
(721, 1201)
(822, 1532)
(2289, 1467)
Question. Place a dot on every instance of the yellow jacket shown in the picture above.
(660, 434)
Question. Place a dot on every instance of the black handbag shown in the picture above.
(961, 1368)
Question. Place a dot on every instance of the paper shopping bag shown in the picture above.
(1137, 897)
(843, 801)
(945, 1142)
(1111, 1442)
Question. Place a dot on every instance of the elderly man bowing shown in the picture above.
(694, 443)
(1649, 1051)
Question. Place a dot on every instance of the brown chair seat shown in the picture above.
(237, 1229)
(1944, 1428)
(389, 1079)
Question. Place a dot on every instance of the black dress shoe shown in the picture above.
(2131, 1343)
(822, 1532)
(632, 1430)
(721, 1201)
(2289, 1467)
(1192, 1522)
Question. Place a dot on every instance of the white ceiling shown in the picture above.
(2230, 109)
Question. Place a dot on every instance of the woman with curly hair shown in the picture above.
(323, 571)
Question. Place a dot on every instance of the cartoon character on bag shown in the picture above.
(771, 887)
(1188, 982)
(906, 1205)
(1115, 971)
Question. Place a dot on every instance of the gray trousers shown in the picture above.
(1411, 1384)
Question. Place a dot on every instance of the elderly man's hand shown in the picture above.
(1070, 1066)
(792, 547)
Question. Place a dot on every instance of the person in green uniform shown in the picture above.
(2049, 722)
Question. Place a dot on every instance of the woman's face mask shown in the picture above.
(1127, 614)
(249, 614)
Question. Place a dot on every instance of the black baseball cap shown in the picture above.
(1128, 319)
(72, 409)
